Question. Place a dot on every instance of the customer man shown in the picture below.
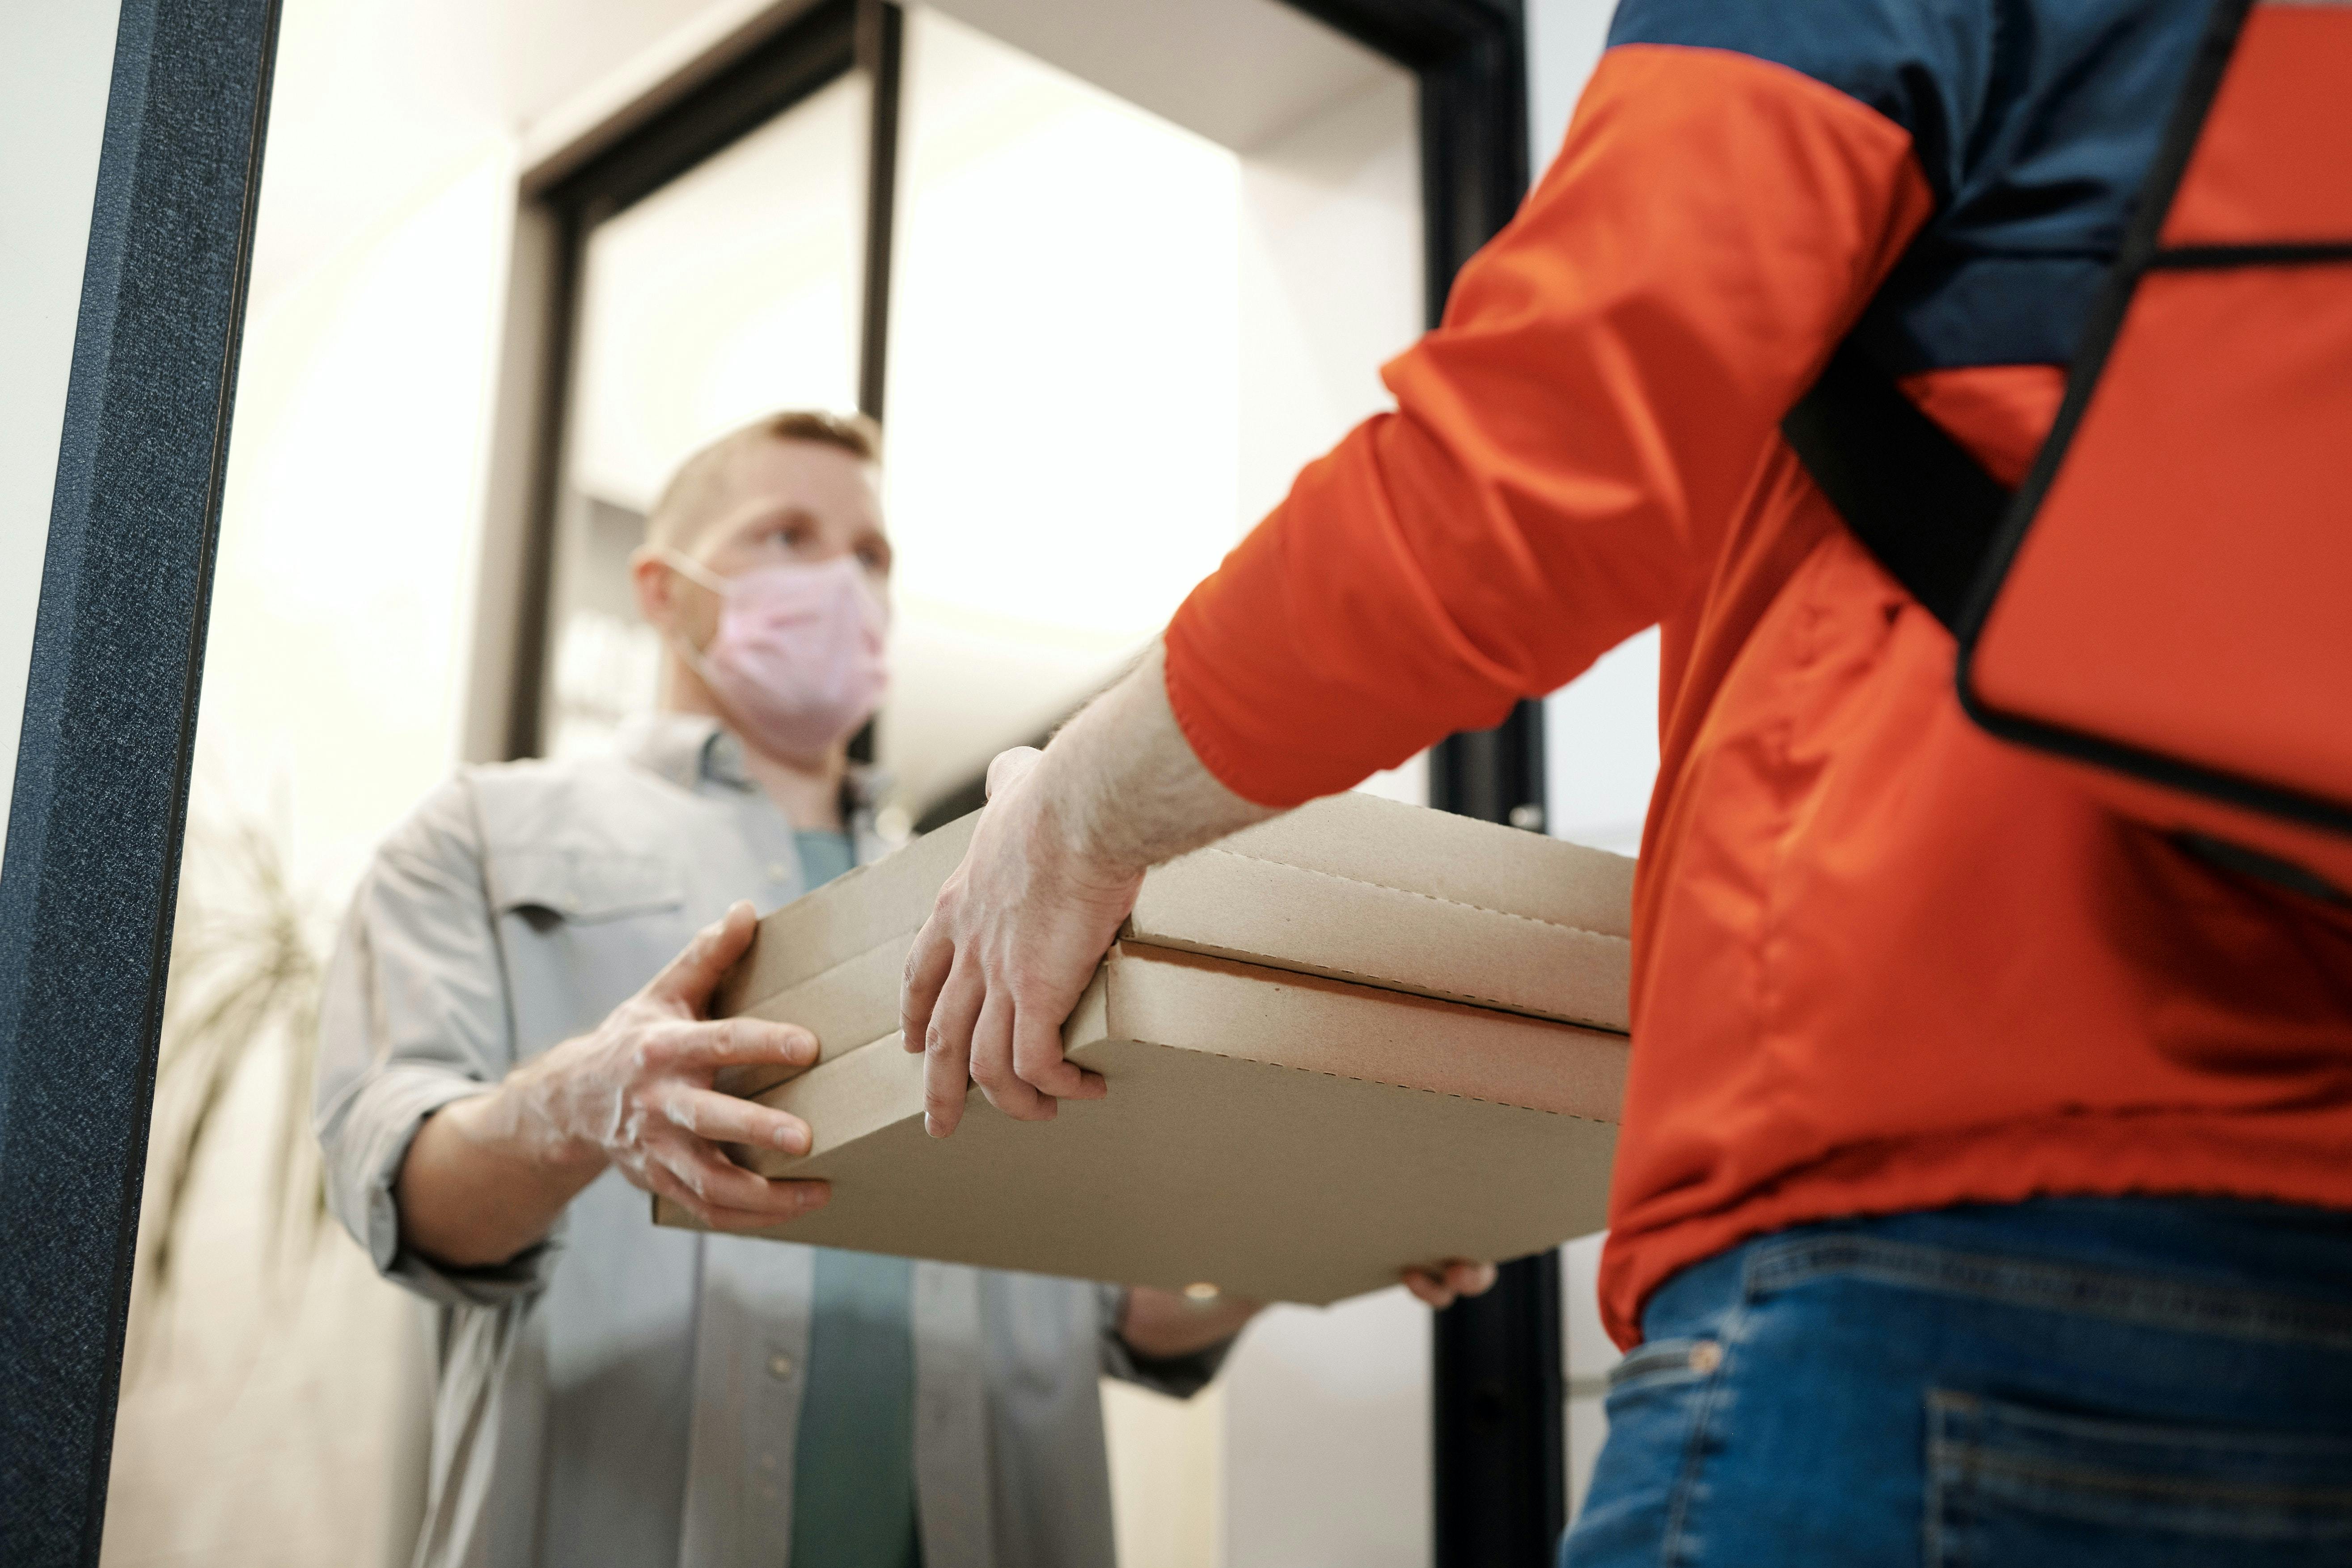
(506, 1061)
(1982, 1193)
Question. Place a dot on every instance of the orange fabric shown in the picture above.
(1569, 451)
(2271, 163)
(2173, 605)
(2182, 606)
(1881, 961)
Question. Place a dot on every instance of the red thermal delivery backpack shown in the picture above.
(2166, 603)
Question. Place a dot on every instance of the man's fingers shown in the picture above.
(1009, 767)
(723, 1118)
(947, 1052)
(929, 963)
(1465, 1279)
(689, 978)
(1037, 1058)
(717, 1182)
(793, 1199)
(735, 1041)
(992, 1063)
(1455, 1277)
(1427, 1289)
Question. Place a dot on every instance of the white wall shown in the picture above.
(335, 683)
(56, 59)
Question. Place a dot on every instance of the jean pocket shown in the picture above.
(1663, 1363)
(2010, 1486)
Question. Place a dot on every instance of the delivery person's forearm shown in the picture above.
(478, 1187)
(1134, 792)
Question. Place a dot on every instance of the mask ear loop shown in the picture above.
(694, 572)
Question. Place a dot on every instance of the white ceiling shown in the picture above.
(1235, 71)
(378, 102)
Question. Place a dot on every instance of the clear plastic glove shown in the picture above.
(1012, 942)
(487, 1176)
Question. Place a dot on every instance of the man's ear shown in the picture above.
(656, 588)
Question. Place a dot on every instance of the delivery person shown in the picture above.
(1983, 1189)
(513, 1053)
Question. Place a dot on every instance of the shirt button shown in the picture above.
(779, 872)
(779, 1366)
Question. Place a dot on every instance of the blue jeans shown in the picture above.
(2157, 1383)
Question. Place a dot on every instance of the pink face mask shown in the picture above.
(797, 660)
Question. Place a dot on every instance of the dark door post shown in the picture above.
(94, 824)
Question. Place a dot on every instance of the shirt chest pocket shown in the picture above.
(581, 885)
(581, 929)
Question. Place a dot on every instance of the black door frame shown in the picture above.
(102, 784)
(1499, 1483)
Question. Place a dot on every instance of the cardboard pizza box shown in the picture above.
(1350, 1040)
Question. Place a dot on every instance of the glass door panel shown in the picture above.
(1065, 394)
(731, 291)
(1116, 335)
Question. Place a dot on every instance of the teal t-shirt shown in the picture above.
(853, 1466)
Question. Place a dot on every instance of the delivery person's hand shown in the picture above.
(1010, 943)
(1051, 871)
(487, 1176)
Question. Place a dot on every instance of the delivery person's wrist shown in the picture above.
(1128, 788)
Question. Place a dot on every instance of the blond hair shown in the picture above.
(701, 484)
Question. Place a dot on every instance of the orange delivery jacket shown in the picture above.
(1882, 961)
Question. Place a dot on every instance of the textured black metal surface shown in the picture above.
(101, 777)
(1500, 1499)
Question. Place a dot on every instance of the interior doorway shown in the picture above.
(1108, 271)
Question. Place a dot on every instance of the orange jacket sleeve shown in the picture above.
(1569, 447)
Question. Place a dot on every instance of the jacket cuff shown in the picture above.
(396, 1106)
(1180, 1377)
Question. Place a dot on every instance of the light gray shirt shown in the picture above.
(621, 1393)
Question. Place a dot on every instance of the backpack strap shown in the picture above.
(1916, 499)
(1921, 504)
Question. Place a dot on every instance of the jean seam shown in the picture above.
(2183, 1306)
(1939, 1552)
(1678, 1507)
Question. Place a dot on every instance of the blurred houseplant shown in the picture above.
(245, 978)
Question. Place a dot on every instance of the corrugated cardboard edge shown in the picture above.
(1271, 912)
(850, 916)
(1456, 859)
(832, 962)
(1353, 1037)
(1190, 1002)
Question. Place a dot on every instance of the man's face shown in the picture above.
(783, 501)
(795, 501)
